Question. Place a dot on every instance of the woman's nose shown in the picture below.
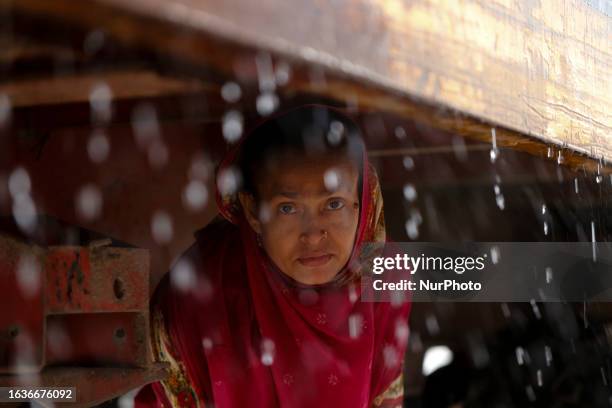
(313, 231)
(313, 237)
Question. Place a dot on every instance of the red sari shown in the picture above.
(246, 334)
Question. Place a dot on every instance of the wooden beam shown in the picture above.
(538, 69)
(77, 88)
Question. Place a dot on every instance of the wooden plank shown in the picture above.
(135, 83)
(540, 69)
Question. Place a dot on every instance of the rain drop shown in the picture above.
(416, 344)
(98, 146)
(433, 327)
(158, 154)
(506, 310)
(195, 195)
(548, 355)
(183, 276)
(493, 154)
(145, 125)
(335, 133)
(436, 357)
(29, 276)
(599, 177)
(25, 351)
(24, 212)
(400, 133)
(89, 202)
(410, 193)
(593, 241)
(100, 99)
(560, 174)
(559, 157)
(401, 332)
(352, 293)
(229, 180)
(231, 92)
(355, 322)
(331, 179)
(200, 168)
(265, 72)
(499, 198)
(390, 356)
(479, 353)
(267, 352)
(535, 309)
(161, 227)
(545, 228)
(576, 185)
(520, 356)
(58, 341)
(494, 150)
(412, 228)
(232, 126)
(501, 203)
(93, 42)
(408, 163)
(266, 103)
(207, 344)
(539, 378)
(549, 274)
(495, 255)
(282, 73)
(397, 298)
(459, 148)
(413, 223)
(19, 182)
(265, 213)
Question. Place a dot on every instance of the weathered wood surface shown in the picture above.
(539, 68)
(135, 83)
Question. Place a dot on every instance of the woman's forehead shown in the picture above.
(294, 175)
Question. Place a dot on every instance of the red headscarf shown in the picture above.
(249, 335)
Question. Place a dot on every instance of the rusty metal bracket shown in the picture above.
(75, 316)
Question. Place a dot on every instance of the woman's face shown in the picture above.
(307, 215)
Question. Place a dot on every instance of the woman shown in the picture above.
(273, 316)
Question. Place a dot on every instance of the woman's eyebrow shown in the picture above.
(286, 194)
(320, 193)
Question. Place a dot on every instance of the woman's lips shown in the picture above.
(313, 261)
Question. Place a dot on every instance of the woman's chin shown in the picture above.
(314, 275)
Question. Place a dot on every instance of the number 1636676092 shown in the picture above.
(18, 394)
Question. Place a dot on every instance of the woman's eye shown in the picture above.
(286, 209)
(335, 204)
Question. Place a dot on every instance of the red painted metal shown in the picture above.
(93, 385)
(102, 339)
(71, 307)
(97, 279)
(22, 323)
